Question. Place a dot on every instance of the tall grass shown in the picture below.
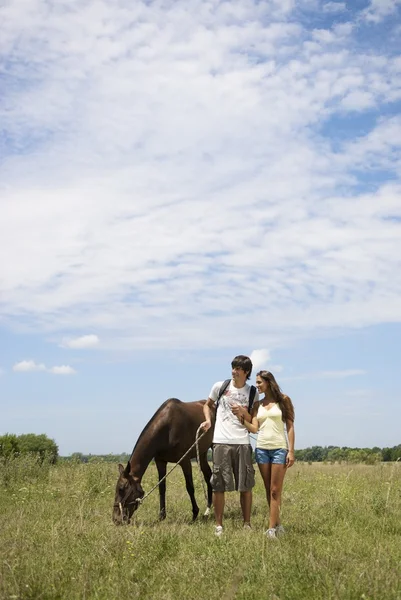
(58, 541)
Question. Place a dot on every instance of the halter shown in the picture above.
(124, 502)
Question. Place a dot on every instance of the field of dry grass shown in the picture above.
(58, 542)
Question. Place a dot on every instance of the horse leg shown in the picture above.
(161, 466)
(207, 473)
(187, 470)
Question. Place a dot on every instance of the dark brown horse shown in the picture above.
(166, 438)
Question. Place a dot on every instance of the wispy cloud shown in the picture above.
(360, 393)
(377, 10)
(341, 374)
(62, 370)
(171, 181)
(334, 7)
(327, 374)
(30, 366)
(85, 341)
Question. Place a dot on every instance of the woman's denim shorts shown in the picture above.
(275, 457)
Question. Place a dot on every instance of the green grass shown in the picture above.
(57, 540)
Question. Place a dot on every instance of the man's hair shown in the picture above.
(244, 363)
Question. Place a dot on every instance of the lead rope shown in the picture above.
(207, 511)
(140, 500)
(196, 443)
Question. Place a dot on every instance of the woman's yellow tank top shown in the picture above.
(271, 433)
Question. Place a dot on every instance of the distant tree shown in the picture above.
(38, 444)
(355, 455)
(9, 445)
(364, 455)
(314, 454)
(77, 457)
(373, 458)
(396, 452)
(299, 455)
(336, 455)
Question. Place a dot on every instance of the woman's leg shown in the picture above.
(276, 486)
(265, 471)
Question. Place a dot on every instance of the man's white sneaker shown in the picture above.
(280, 530)
(271, 533)
(218, 532)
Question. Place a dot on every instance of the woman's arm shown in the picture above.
(291, 442)
(244, 417)
(252, 426)
(251, 422)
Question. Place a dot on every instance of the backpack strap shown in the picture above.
(222, 389)
(224, 386)
(252, 393)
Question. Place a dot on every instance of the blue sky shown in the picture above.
(183, 182)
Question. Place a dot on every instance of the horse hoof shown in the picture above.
(207, 512)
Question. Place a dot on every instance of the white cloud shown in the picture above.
(168, 184)
(62, 370)
(31, 365)
(335, 35)
(381, 148)
(85, 341)
(358, 100)
(28, 365)
(334, 7)
(260, 359)
(377, 10)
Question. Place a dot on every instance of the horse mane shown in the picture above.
(149, 423)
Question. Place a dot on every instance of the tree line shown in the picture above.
(331, 454)
(29, 443)
(337, 454)
(85, 458)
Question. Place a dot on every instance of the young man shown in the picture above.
(232, 452)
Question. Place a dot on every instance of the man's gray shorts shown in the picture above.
(232, 468)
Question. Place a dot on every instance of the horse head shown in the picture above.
(128, 496)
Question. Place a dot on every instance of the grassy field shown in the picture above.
(57, 540)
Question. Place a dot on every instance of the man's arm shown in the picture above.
(207, 423)
(242, 413)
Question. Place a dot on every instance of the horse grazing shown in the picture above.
(167, 436)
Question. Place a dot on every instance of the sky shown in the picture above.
(185, 181)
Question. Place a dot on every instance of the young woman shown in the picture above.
(274, 451)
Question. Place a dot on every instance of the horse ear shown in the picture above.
(120, 468)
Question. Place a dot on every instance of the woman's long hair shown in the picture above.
(284, 402)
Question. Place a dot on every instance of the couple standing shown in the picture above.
(232, 452)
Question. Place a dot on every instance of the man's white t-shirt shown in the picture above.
(228, 429)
